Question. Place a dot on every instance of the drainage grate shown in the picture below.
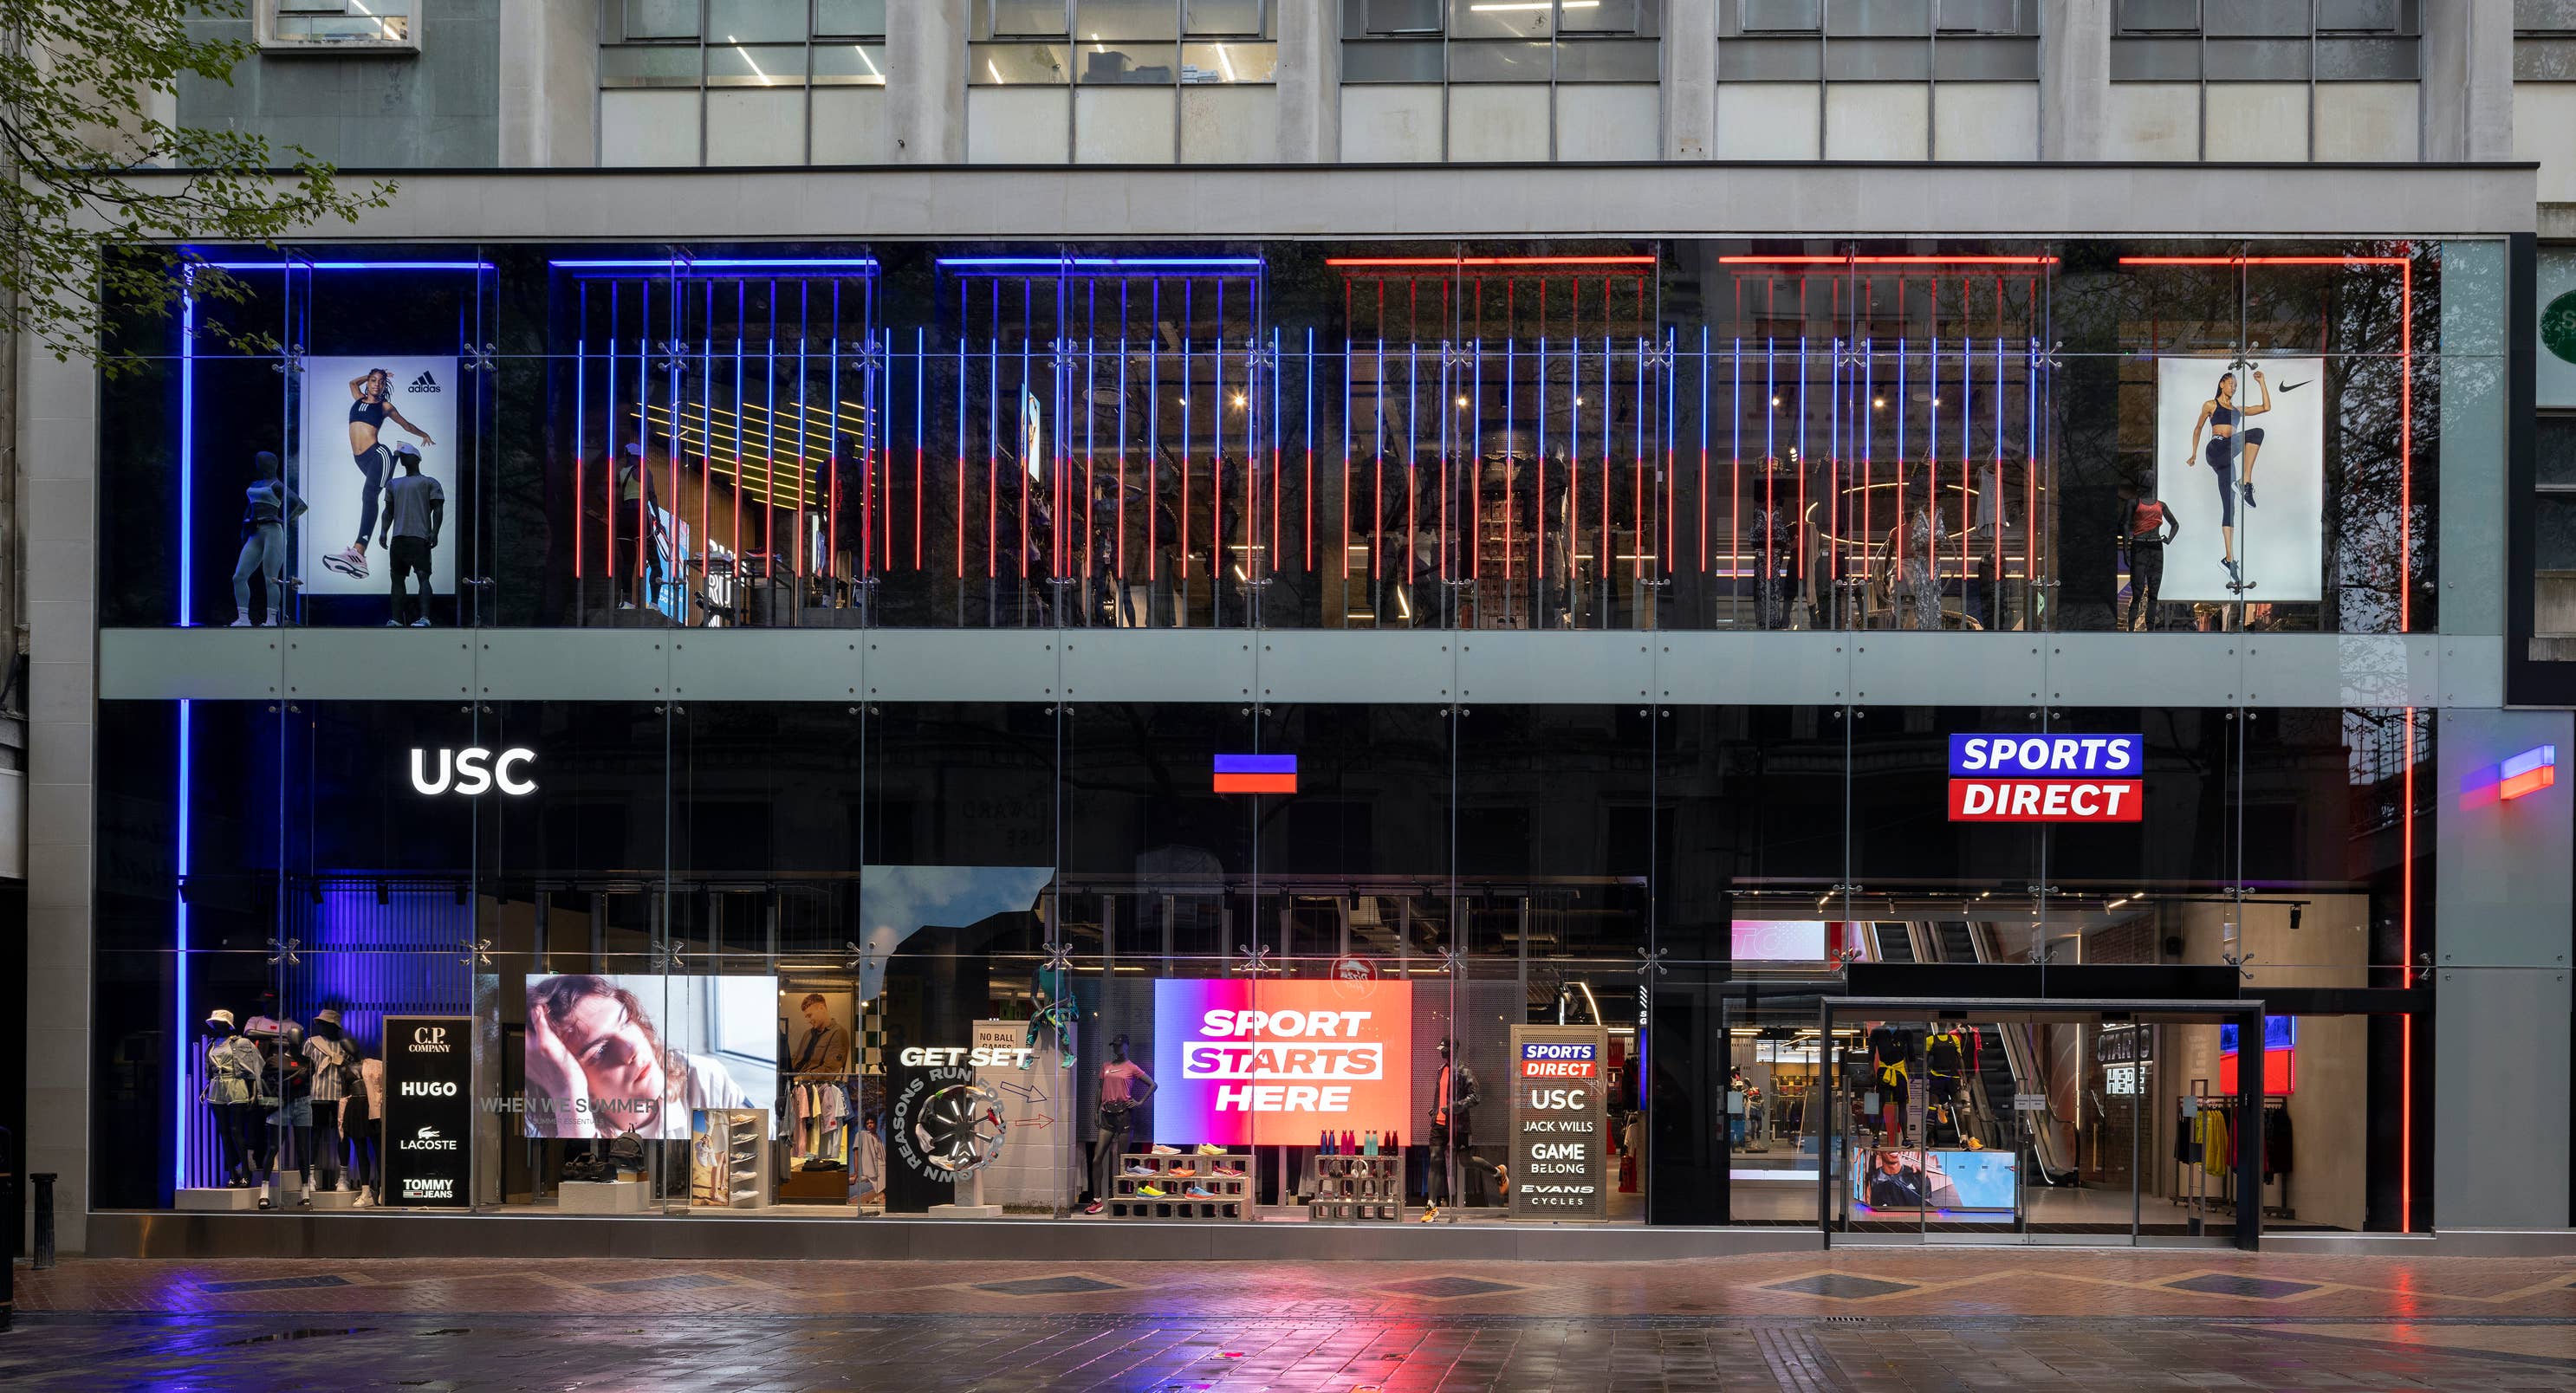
(1846, 1320)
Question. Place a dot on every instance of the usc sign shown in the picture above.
(472, 770)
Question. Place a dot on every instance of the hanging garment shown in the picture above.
(2276, 1143)
(2215, 1145)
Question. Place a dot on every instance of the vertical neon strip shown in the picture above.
(768, 453)
(1028, 445)
(608, 475)
(1538, 505)
(1770, 474)
(1834, 452)
(1967, 486)
(740, 309)
(1703, 449)
(1999, 461)
(1609, 384)
(1443, 456)
(920, 441)
(993, 447)
(1904, 462)
(1186, 415)
(1735, 469)
(1090, 415)
(1412, 456)
(707, 432)
(1122, 463)
(1510, 374)
(1869, 448)
(643, 465)
(184, 1036)
(1637, 483)
(580, 410)
(1932, 454)
(1472, 435)
(671, 500)
(2030, 482)
(961, 437)
(1310, 451)
(1798, 564)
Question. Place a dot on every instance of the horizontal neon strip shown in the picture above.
(1256, 764)
(2263, 261)
(1256, 783)
(349, 265)
(1887, 261)
(1087, 263)
(1400, 261)
(866, 263)
(2529, 781)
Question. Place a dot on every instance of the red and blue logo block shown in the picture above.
(1256, 773)
(2046, 778)
(2529, 772)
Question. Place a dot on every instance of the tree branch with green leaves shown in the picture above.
(91, 167)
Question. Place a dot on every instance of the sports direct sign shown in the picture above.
(1244, 1061)
(2046, 778)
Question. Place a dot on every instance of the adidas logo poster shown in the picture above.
(426, 382)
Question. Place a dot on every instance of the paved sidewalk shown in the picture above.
(1883, 1322)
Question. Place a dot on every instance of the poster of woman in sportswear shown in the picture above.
(367, 400)
(2240, 447)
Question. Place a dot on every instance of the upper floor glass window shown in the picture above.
(1532, 41)
(738, 43)
(1136, 43)
(2266, 41)
(340, 23)
(1878, 41)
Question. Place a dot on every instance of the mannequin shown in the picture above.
(334, 1060)
(360, 1121)
(1454, 1096)
(232, 1086)
(1124, 1087)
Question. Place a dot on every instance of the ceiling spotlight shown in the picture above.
(1462, 401)
(1878, 402)
(1775, 401)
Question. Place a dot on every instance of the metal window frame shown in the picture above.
(267, 38)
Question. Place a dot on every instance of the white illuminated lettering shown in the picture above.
(421, 782)
(471, 777)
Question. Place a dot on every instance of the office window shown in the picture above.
(740, 81)
(2270, 41)
(340, 23)
(1527, 41)
(2544, 43)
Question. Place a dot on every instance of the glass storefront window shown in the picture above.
(1317, 963)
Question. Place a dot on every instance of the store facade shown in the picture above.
(1549, 741)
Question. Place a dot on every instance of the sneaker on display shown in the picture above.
(1142, 1170)
(239, 622)
(1197, 1192)
(1182, 1172)
(1094, 1207)
(1210, 1149)
(1229, 1172)
(1429, 1213)
(351, 563)
(1162, 1150)
(1150, 1192)
(269, 623)
(366, 1197)
(420, 623)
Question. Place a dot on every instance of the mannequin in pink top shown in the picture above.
(1124, 1087)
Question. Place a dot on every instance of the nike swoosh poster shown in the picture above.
(2279, 538)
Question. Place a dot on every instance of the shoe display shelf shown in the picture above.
(1228, 1197)
(1357, 1189)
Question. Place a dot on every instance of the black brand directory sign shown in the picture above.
(429, 1111)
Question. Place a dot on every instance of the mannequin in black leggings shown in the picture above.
(2225, 421)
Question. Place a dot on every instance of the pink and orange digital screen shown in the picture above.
(1242, 1061)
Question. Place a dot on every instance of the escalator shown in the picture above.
(1892, 942)
(2008, 1065)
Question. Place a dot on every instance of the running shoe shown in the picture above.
(1197, 1192)
(2248, 489)
(1094, 1207)
(1428, 1214)
(1142, 1170)
(1182, 1172)
(1229, 1172)
(1162, 1150)
(351, 563)
(2235, 575)
(420, 623)
(393, 623)
(1503, 1177)
(1210, 1149)
(1151, 1192)
(241, 623)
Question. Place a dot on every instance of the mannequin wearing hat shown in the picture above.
(334, 1060)
(232, 1091)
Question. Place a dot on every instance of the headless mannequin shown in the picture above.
(329, 1050)
(232, 1087)
(1117, 1117)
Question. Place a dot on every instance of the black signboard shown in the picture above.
(1560, 1122)
(429, 1112)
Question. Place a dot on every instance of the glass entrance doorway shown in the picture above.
(2014, 1122)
